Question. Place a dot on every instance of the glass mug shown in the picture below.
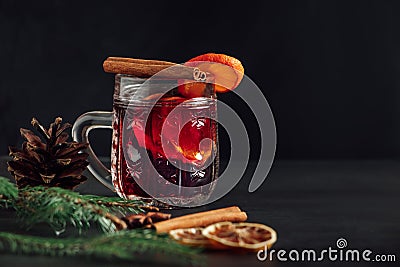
(164, 147)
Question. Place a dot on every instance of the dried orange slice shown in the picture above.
(244, 236)
(227, 71)
(190, 236)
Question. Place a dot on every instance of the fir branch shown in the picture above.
(129, 245)
(116, 203)
(59, 207)
(8, 192)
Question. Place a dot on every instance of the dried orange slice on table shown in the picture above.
(245, 237)
(227, 71)
(190, 236)
(242, 236)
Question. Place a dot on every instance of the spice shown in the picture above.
(146, 68)
(201, 219)
(145, 220)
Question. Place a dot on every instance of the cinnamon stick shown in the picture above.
(201, 219)
(144, 68)
(141, 61)
(209, 212)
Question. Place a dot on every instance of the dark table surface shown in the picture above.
(311, 204)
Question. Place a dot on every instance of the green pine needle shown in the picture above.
(60, 208)
(8, 192)
(130, 245)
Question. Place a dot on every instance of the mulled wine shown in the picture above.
(163, 139)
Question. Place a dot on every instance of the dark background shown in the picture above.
(329, 69)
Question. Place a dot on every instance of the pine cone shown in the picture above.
(54, 162)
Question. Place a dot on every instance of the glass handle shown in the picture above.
(80, 133)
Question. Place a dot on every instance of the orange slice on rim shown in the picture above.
(227, 71)
(242, 236)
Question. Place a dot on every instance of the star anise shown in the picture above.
(145, 219)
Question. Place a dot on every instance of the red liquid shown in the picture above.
(185, 151)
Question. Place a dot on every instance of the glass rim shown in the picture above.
(196, 102)
(209, 78)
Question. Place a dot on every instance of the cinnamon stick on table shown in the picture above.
(201, 219)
